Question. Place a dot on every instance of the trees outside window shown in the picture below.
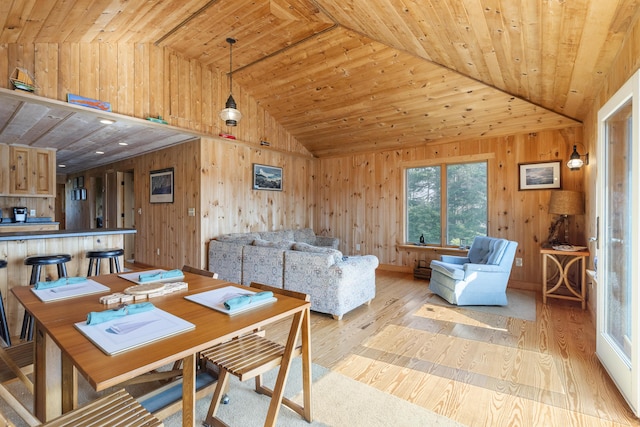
(447, 203)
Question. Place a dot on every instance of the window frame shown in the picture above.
(443, 162)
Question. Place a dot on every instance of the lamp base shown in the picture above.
(554, 231)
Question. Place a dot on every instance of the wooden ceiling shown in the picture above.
(360, 75)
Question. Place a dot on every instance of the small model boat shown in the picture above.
(21, 79)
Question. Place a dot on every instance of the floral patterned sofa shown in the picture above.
(297, 260)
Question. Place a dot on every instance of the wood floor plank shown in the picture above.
(516, 372)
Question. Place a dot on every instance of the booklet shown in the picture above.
(215, 299)
(133, 330)
(87, 287)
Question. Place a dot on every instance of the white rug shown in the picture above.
(337, 401)
(521, 305)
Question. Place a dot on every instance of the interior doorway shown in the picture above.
(120, 207)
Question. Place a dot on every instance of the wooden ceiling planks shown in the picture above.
(395, 61)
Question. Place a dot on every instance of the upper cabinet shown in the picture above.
(27, 172)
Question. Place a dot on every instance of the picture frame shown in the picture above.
(81, 181)
(539, 175)
(161, 186)
(267, 177)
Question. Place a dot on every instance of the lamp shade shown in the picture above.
(564, 202)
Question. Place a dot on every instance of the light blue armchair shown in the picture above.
(480, 278)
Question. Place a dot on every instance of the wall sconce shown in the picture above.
(575, 160)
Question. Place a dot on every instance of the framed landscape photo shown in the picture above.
(161, 186)
(539, 176)
(267, 177)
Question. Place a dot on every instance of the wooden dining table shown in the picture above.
(61, 351)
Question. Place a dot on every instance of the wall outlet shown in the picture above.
(357, 247)
(32, 212)
(192, 211)
(518, 262)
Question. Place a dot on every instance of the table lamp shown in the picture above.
(564, 203)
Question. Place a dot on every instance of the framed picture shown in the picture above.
(267, 177)
(80, 181)
(161, 186)
(539, 176)
(83, 194)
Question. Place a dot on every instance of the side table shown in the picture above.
(563, 281)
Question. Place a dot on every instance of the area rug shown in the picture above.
(337, 401)
(521, 305)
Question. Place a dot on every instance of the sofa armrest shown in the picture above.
(454, 259)
(331, 242)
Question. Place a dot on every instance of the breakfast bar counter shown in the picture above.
(16, 246)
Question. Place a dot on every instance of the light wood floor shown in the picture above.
(478, 369)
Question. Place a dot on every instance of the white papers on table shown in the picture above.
(87, 287)
(135, 277)
(215, 299)
(134, 330)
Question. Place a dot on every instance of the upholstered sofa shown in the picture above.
(480, 278)
(297, 260)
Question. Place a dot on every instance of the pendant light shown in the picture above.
(230, 114)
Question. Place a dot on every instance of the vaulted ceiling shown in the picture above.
(375, 73)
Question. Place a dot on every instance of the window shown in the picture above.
(446, 203)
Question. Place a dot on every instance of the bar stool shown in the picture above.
(110, 254)
(37, 261)
(4, 327)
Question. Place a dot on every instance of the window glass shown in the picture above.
(453, 202)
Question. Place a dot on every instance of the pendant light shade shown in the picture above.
(230, 114)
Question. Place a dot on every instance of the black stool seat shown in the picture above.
(107, 253)
(4, 326)
(97, 255)
(47, 259)
(37, 261)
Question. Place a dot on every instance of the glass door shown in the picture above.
(618, 185)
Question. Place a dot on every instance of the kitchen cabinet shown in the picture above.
(31, 172)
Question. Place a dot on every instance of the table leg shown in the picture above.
(306, 365)
(47, 376)
(283, 372)
(189, 390)
(70, 379)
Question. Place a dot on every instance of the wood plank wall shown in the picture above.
(144, 80)
(360, 197)
(213, 176)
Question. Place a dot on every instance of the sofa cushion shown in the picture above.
(240, 238)
(305, 247)
(282, 244)
(304, 235)
(277, 236)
